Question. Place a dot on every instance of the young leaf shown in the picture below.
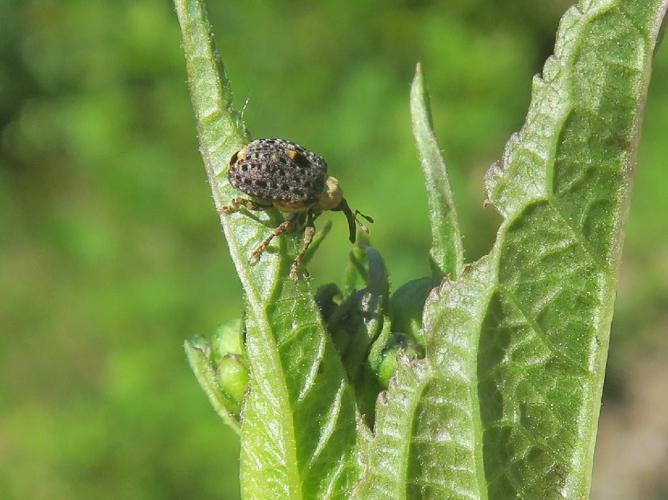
(506, 402)
(406, 307)
(298, 422)
(221, 370)
(358, 321)
(446, 249)
(425, 441)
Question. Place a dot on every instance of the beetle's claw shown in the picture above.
(255, 256)
(295, 273)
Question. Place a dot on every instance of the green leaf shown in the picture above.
(506, 402)
(298, 424)
(424, 445)
(446, 249)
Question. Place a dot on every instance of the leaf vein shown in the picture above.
(542, 335)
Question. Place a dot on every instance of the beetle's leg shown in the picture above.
(242, 202)
(309, 232)
(283, 227)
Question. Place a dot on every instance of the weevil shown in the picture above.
(289, 177)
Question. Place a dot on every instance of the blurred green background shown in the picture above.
(111, 253)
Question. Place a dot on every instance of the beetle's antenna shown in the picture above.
(363, 227)
(353, 220)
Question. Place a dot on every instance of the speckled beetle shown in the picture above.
(293, 179)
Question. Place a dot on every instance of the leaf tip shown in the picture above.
(197, 347)
(417, 87)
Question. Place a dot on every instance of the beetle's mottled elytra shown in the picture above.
(279, 171)
(292, 179)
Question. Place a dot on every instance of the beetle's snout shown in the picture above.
(352, 228)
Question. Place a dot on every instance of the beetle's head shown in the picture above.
(332, 199)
